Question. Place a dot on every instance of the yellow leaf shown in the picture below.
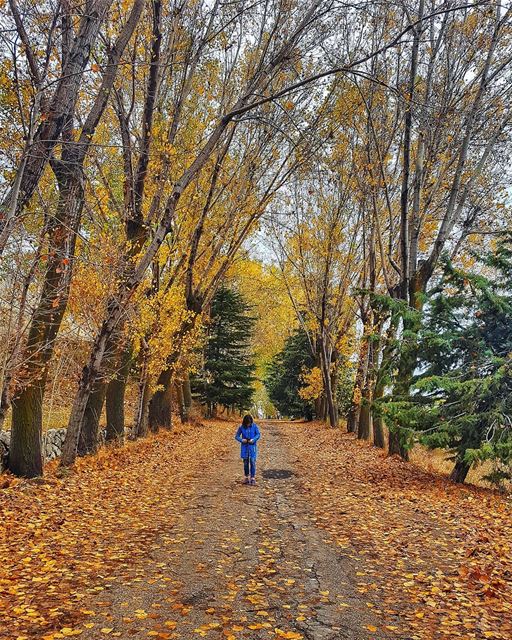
(289, 635)
(171, 624)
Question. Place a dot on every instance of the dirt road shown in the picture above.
(239, 562)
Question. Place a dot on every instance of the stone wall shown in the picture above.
(5, 441)
(53, 440)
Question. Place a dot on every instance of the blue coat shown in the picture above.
(248, 433)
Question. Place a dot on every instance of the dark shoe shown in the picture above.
(253, 481)
(246, 481)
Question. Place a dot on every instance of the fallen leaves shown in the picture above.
(289, 635)
(68, 538)
(430, 559)
(434, 557)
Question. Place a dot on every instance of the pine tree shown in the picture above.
(284, 377)
(462, 393)
(226, 377)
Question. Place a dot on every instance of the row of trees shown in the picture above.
(143, 144)
(414, 169)
(130, 178)
(129, 183)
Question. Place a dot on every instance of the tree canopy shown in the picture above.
(318, 157)
(461, 393)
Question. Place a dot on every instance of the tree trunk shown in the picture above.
(160, 406)
(365, 415)
(383, 377)
(140, 426)
(26, 455)
(115, 397)
(396, 445)
(408, 358)
(460, 471)
(180, 400)
(364, 426)
(406, 366)
(187, 398)
(353, 417)
(355, 407)
(45, 323)
(5, 404)
(377, 421)
(334, 386)
(89, 438)
(325, 362)
(332, 409)
(318, 407)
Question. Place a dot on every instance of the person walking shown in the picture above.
(248, 435)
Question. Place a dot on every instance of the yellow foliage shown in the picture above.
(313, 384)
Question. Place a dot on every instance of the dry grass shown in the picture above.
(53, 418)
(437, 461)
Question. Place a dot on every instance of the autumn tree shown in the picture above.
(316, 247)
(60, 231)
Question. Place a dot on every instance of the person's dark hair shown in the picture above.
(247, 421)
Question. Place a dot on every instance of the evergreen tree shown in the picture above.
(283, 380)
(462, 392)
(226, 377)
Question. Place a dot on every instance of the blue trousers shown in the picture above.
(250, 463)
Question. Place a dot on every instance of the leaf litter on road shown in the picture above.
(137, 542)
